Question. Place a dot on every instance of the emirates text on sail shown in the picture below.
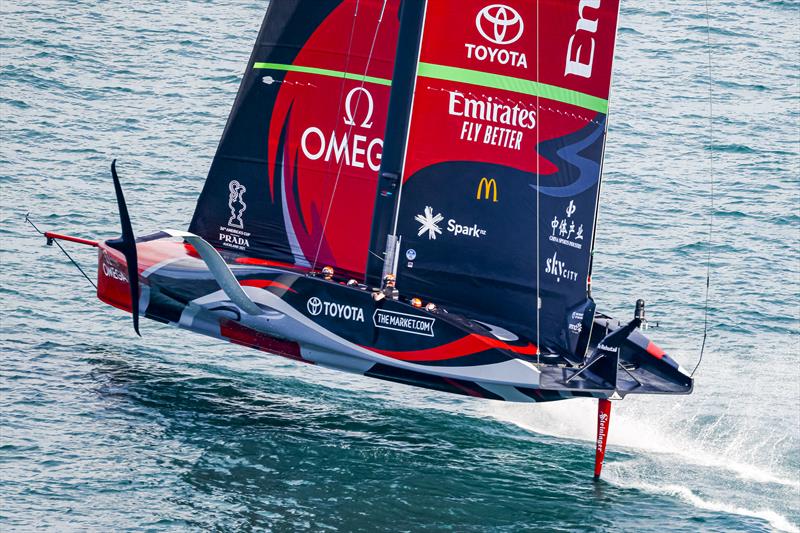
(490, 110)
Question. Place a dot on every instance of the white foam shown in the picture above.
(656, 429)
(774, 519)
(671, 438)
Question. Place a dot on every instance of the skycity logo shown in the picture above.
(356, 152)
(558, 269)
(430, 223)
(500, 25)
(316, 307)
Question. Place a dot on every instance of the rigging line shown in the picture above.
(711, 178)
(378, 256)
(29, 221)
(350, 129)
(538, 192)
(336, 119)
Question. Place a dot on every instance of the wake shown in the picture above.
(671, 438)
(776, 520)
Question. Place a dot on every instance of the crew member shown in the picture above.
(327, 273)
(388, 290)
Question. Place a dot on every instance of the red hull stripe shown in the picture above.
(266, 262)
(261, 283)
(466, 390)
(654, 350)
(239, 334)
(464, 346)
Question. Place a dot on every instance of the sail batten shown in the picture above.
(514, 85)
(322, 72)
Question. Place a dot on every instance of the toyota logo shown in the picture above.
(502, 23)
(314, 306)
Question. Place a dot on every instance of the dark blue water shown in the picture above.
(104, 431)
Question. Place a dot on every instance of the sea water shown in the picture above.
(104, 431)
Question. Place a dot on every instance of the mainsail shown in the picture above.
(294, 176)
(501, 174)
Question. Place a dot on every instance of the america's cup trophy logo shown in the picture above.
(236, 204)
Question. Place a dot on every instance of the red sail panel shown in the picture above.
(460, 44)
(506, 137)
(305, 137)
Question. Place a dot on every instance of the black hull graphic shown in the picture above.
(329, 323)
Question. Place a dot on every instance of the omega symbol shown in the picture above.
(348, 107)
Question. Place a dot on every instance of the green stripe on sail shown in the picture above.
(517, 85)
(322, 72)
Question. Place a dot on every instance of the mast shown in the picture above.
(400, 99)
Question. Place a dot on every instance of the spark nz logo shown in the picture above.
(354, 151)
(504, 22)
(317, 307)
(500, 25)
(430, 223)
(236, 204)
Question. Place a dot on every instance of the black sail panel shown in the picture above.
(294, 176)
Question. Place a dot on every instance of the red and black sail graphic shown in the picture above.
(294, 176)
(502, 167)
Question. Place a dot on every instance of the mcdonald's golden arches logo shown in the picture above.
(487, 187)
